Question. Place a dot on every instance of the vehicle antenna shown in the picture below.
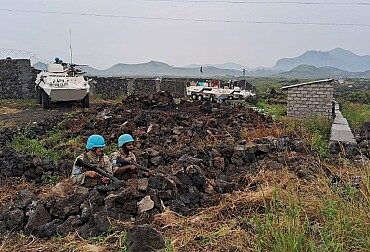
(70, 44)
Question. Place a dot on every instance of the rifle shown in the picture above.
(123, 162)
(83, 164)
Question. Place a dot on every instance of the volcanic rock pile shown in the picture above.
(363, 139)
(19, 164)
(196, 150)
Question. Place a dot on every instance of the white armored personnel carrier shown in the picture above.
(61, 84)
(206, 92)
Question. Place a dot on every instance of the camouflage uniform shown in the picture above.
(130, 157)
(78, 173)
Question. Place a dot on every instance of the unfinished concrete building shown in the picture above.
(310, 99)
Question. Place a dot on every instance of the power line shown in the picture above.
(188, 19)
(261, 2)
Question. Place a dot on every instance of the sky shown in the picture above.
(102, 33)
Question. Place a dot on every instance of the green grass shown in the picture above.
(102, 98)
(355, 113)
(55, 146)
(319, 130)
(282, 228)
(361, 96)
(275, 110)
(315, 130)
(169, 247)
(337, 220)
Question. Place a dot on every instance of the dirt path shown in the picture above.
(20, 113)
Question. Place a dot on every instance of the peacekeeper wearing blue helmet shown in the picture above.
(125, 148)
(94, 156)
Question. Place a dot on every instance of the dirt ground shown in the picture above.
(16, 112)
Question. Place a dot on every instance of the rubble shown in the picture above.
(196, 151)
(363, 140)
(144, 238)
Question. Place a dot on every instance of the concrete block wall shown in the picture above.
(17, 79)
(310, 100)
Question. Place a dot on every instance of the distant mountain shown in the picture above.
(337, 58)
(312, 64)
(91, 71)
(312, 72)
(229, 65)
(155, 68)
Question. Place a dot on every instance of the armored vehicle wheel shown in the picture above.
(85, 101)
(200, 98)
(193, 96)
(212, 99)
(230, 98)
(38, 95)
(44, 99)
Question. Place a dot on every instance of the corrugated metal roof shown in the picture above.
(307, 83)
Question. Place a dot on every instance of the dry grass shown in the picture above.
(7, 110)
(8, 106)
(115, 241)
(233, 224)
(11, 188)
(222, 227)
(217, 228)
(263, 131)
(228, 227)
(14, 106)
(72, 242)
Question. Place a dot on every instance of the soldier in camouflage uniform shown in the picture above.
(125, 148)
(96, 157)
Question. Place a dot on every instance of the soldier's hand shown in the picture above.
(148, 174)
(91, 174)
(105, 180)
(132, 167)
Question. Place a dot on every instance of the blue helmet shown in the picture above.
(95, 141)
(125, 138)
(56, 59)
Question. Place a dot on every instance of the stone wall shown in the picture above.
(113, 87)
(176, 87)
(108, 87)
(17, 78)
(147, 86)
(312, 99)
